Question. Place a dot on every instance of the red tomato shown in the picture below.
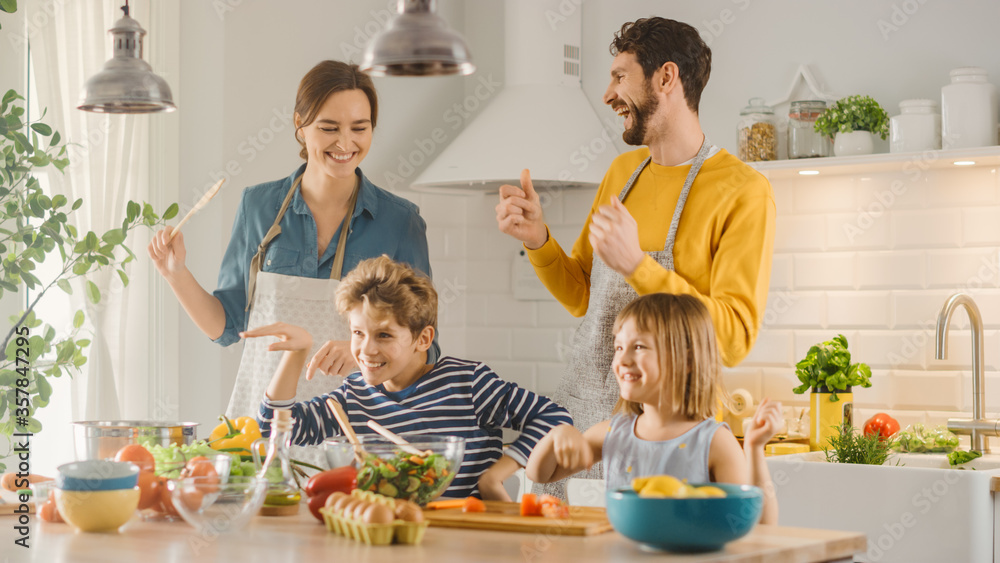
(138, 455)
(552, 507)
(317, 502)
(149, 494)
(49, 513)
(881, 424)
(343, 479)
(529, 505)
(472, 504)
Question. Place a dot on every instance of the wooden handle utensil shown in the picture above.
(397, 439)
(201, 203)
(345, 425)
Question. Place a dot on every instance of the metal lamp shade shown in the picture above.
(417, 42)
(127, 83)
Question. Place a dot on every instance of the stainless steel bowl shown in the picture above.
(101, 439)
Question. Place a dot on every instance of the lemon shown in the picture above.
(658, 486)
(710, 491)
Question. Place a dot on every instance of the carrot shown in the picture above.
(444, 504)
(10, 481)
(472, 504)
(529, 505)
(416, 460)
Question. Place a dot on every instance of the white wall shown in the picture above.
(238, 70)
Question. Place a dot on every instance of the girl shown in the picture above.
(666, 363)
(294, 238)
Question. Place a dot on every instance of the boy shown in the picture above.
(392, 312)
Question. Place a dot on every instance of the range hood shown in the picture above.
(540, 119)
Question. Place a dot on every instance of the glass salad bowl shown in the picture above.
(214, 507)
(389, 470)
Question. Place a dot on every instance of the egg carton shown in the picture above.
(399, 531)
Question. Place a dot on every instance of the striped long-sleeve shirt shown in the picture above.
(456, 397)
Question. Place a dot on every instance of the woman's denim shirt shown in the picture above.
(382, 223)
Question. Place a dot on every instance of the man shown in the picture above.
(677, 215)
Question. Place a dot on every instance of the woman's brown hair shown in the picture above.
(324, 79)
(686, 347)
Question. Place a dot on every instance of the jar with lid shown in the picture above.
(916, 128)
(757, 132)
(803, 139)
(968, 110)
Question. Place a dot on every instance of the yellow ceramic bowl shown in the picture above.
(97, 511)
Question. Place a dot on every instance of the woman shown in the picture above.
(287, 254)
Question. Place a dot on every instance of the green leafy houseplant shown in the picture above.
(34, 228)
(854, 113)
(828, 365)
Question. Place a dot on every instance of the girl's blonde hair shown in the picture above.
(688, 354)
(385, 288)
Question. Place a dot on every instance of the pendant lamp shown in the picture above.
(127, 83)
(417, 42)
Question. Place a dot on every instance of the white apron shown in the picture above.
(305, 302)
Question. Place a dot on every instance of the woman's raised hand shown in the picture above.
(290, 337)
(167, 257)
(333, 358)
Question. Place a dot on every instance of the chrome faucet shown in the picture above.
(977, 427)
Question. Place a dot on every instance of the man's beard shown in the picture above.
(636, 135)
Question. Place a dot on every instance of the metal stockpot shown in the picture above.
(101, 439)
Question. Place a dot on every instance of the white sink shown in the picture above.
(921, 510)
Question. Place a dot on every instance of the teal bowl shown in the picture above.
(687, 525)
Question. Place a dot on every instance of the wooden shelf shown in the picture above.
(882, 162)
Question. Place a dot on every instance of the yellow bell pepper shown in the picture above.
(236, 436)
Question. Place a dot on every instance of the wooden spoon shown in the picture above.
(397, 439)
(345, 425)
(201, 203)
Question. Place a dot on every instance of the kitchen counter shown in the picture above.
(302, 538)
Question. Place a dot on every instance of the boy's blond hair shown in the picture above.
(384, 287)
(685, 343)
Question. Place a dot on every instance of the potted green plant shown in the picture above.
(853, 120)
(35, 227)
(827, 372)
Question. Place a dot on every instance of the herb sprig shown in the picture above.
(850, 446)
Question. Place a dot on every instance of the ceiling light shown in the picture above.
(809, 172)
(964, 162)
(417, 42)
(127, 83)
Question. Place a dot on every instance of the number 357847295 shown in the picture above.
(23, 362)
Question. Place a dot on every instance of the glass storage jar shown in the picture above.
(916, 128)
(803, 140)
(757, 132)
(968, 110)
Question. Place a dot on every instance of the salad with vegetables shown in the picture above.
(406, 476)
(170, 460)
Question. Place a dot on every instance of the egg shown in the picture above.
(345, 506)
(358, 510)
(409, 512)
(376, 513)
(333, 497)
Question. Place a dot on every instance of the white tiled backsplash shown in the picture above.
(861, 255)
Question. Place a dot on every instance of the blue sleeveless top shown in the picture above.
(626, 456)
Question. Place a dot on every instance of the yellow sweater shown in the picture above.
(722, 254)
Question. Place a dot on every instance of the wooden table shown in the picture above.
(301, 538)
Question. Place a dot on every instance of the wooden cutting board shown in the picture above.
(8, 508)
(505, 517)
